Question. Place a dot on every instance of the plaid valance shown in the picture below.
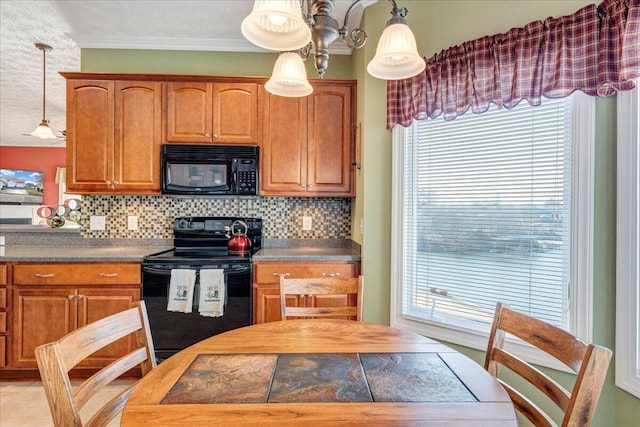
(595, 50)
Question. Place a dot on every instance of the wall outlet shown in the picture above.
(97, 222)
(306, 223)
(132, 222)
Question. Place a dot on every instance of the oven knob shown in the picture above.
(183, 223)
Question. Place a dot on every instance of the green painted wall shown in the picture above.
(437, 25)
(199, 63)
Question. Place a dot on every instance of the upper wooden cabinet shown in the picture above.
(114, 133)
(205, 112)
(308, 143)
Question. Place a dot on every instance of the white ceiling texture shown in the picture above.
(68, 25)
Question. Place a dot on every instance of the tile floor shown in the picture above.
(24, 404)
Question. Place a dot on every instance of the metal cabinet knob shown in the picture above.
(70, 297)
(116, 182)
(108, 182)
(310, 185)
(80, 296)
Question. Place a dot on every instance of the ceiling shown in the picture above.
(68, 25)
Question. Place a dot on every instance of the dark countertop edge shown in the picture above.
(17, 253)
(134, 250)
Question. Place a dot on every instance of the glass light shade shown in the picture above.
(289, 77)
(397, 55)
(276, 25)
(43, 131)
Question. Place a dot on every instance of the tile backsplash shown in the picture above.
(282, 216)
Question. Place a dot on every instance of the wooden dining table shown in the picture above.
(318, 372)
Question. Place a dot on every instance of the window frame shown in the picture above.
(581, 291)
(627, 243)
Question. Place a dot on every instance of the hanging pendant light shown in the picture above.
(43, 131)
(289, 77)
(396, 56)
(276, 25)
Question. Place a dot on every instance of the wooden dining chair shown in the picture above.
(589, 362)
(335, 297)
(56, 359)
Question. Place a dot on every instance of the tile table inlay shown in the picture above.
(412, 377)
(318, 377)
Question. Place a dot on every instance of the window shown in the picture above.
(494, 207)
(628, 241)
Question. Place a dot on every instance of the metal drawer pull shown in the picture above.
(45, 276)
(281, 274)
(108, 274)
(330, 274)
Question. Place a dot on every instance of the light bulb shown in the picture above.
(277, 19)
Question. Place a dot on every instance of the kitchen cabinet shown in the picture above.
(52, 299)
(206, 112)
(308, 143)
(3, 315)
(114, 134)
(266, 286)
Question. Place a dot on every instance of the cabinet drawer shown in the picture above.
(3, 298)
(3, 323)
(76, 274)
(3, 274)
(270, 272)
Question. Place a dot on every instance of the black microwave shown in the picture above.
(210, 170)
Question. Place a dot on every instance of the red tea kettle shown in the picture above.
(239, 243)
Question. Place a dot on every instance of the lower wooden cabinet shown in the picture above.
(50, 300)
(3, 315)
(266, 285)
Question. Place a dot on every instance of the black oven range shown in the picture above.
(200, 243)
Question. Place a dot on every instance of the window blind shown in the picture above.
(487, 215)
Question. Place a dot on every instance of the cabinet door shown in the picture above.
(283, 158)
(189, 112)
(90, 136)
(235, 113)
(95, 304)
(138, 136)
(330, 142)
(267, 303)
(40, 316)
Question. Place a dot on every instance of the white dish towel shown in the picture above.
(181, 290)
(212, 293)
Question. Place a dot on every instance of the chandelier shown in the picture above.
(283, 25)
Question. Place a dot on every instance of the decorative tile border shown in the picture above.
(282, 216)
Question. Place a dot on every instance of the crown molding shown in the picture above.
(184, 44)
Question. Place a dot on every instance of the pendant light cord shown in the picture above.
(44, 48)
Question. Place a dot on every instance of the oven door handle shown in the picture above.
(227, 271)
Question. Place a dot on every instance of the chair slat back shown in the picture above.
(350, 288)
(588, 361)
(57, 359)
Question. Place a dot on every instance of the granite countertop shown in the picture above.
(37, 244)
(77, 253)
(308, 253)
